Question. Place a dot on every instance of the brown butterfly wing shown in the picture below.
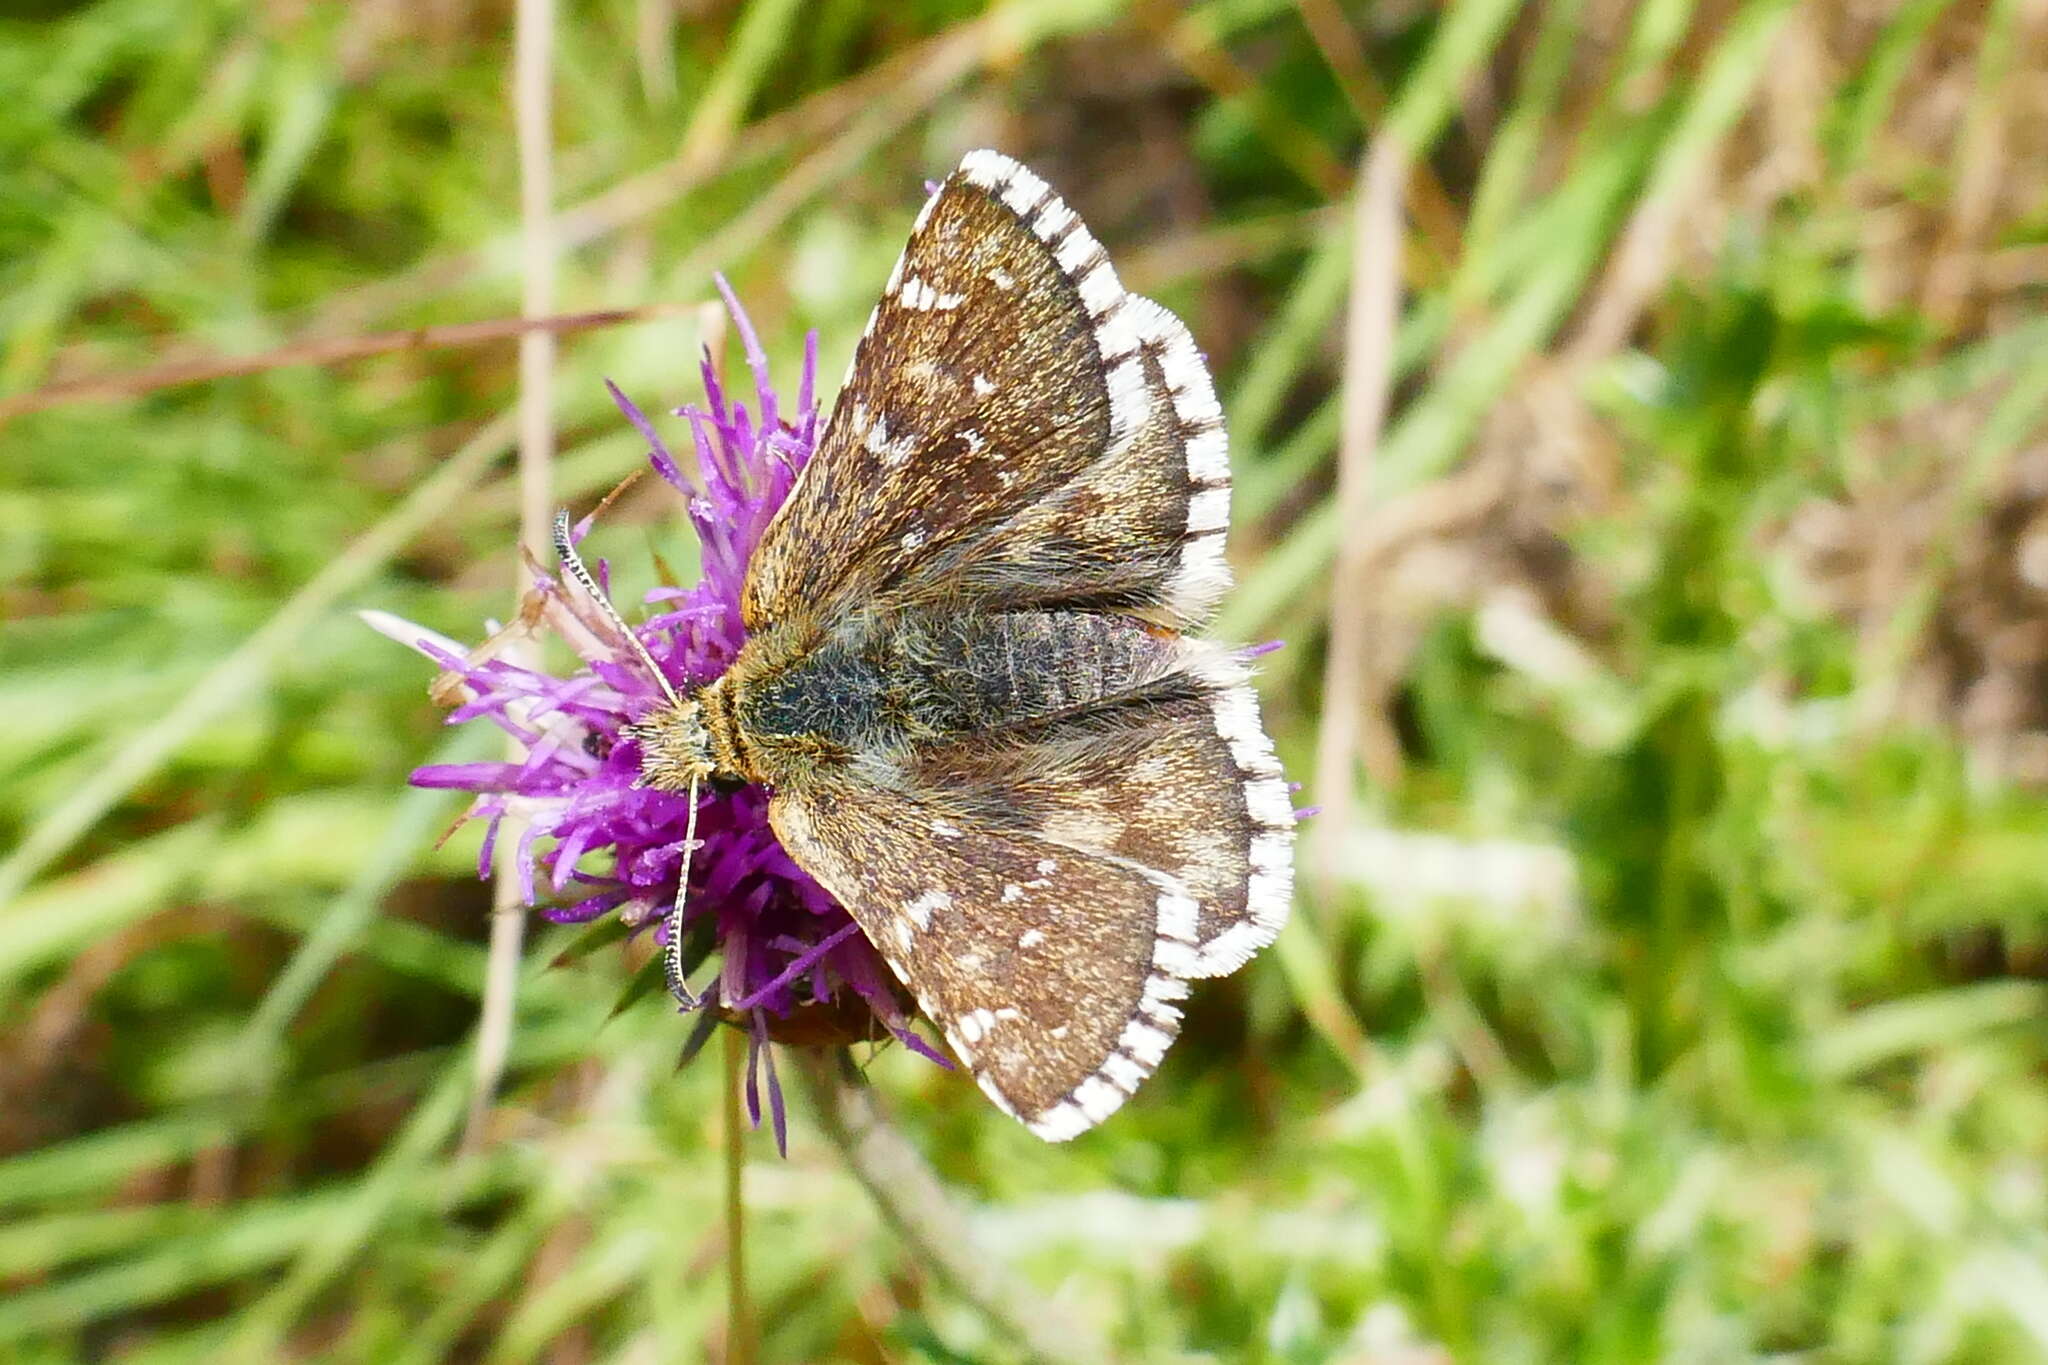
(1187, 785)
(1014, 428)
(1041, 964)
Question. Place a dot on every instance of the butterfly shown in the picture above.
(968, 681)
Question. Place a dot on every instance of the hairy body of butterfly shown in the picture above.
(966, 681)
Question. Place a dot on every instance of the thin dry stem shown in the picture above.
(318, 351)
(906, 84)
(1191, 40)
(912, 1201)
(533, 61)
(1353, 732)
(740, 1346)
(1981, 163)
(1437, 220)
(1345, 55)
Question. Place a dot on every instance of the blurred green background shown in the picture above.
(1673, 990)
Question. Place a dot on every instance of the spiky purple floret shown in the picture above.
(593, 843)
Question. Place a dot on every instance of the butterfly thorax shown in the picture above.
(800, 696)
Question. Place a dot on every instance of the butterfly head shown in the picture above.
(675, 746)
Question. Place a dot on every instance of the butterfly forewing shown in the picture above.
(1014, 427)
(1142, 526)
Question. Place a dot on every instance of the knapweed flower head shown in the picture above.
(792, 966)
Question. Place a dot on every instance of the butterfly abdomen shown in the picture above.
(927, 677)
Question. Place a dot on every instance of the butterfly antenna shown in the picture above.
(672, 960)
(565, 551)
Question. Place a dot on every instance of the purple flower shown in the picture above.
(793, 967)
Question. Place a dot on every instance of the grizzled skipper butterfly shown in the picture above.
(965, 680)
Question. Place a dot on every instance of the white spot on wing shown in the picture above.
(1269, 896)
(921, 907)
(1079, 250)
(1123, 1073)
(1272, 852)
(987, 169)
(1061, 1122)
(1144, 1041)
(892, 450)
(1268, 802)
(1052, 220)
(918, 296)
(1118, 336)
(982, 387)
(1030, 938)
(1177, 912)
(1129, 403)
(1023, 190)
(1097, 1098)
(945, 829)
(1100, 290)
(1209, 510)
(1159, 989)
(1202, 578)
(1209, 457)
(1231, 949)
(1237, 725)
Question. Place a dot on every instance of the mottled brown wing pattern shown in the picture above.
(1142, 527)
(1014, 427)
(1041, 964)
(1021, 441)
(1188, 786)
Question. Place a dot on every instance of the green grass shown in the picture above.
(1685, 998)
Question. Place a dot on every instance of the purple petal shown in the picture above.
(802, 964)
(757, 1039)
(750, 344)
(474, 777)
(777, 1115)
(657, 450)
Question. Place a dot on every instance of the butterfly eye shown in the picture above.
(598, 744)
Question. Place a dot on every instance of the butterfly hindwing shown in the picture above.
(1043, 965)
(1183, 782)
(1014, 427)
